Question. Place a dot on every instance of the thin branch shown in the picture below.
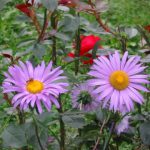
(45, 24)
(123, 41)
(37, 133)
(101, 130)
(35, 21)
(106, 144)
(98, 18)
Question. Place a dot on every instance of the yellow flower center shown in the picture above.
(34, 86)
(119, 80)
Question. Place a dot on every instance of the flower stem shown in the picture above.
(45, 24)
(106, 144)
(98, 139)
(37, 133)
(77, 49)
(54, 27)
(21, 117)
(123, 41)
(35, 21)
(62, 128)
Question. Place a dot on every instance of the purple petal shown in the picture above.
(138, 87)
(124, 59)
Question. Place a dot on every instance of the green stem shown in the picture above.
(62, 128)
(44, 26)
(80, 144)
(21, 117)
(77, 49)
(106, 144)
(123, 41)
(37, 133)
(54, 27)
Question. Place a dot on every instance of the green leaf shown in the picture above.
(145, 132)
(3, 3)
(48, 118)
(31, 137)
(39, 50)
(50, 4)
(62, 36)
(75, 121)
(13, 136)
(100, 114)
(131, 32)
(70, 23)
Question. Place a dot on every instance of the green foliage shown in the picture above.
(129, 12)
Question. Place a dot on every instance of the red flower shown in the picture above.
(147, 28)
(87, 44)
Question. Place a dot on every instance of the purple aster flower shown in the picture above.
(118, 81)
(123, 126)
(84, 98)
(34, 85)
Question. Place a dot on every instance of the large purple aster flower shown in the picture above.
(34, 85)
(84, 98)
(117, 81)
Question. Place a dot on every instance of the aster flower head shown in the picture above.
(123, 126)
(118, 81)
(84, 98)
(34, 85)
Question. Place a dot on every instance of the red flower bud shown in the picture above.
(87, 44)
